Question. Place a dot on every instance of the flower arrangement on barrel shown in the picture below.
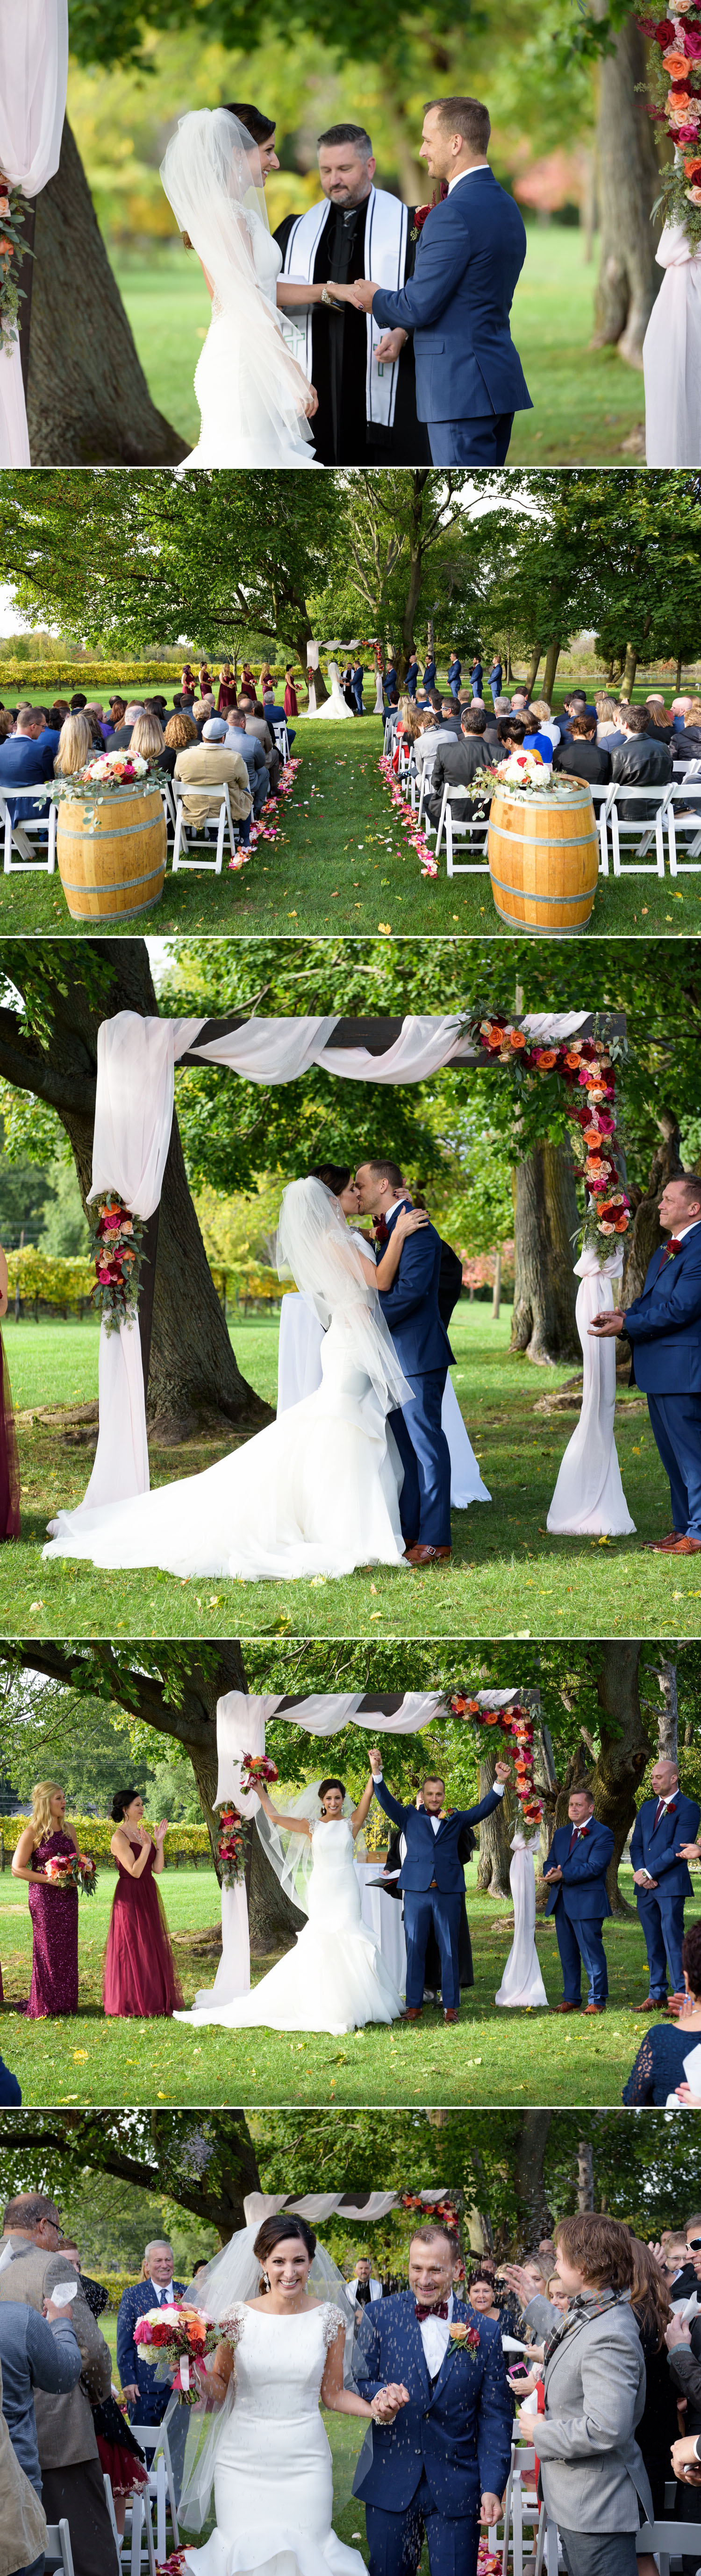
(675, 85)
(113, 771)
(582, 1072)
(516, 1723)
(231, 1847)
(177, 2338)
(118, 1238)
(72, 1869)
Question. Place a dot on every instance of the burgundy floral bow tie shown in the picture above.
(422, 2312)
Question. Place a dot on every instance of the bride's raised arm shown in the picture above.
(360, 1812)
(290, 1824)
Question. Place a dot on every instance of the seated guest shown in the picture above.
(574, 705)
(147, 742)
(455, 762)
(582, 755)
(660, 724)
(274, 714)
(451, 715)
(202, 710)
(543, 715)
(641, 761)
(179, 733)
(536, 739)
(678, 711)
(512, 732)
(427, 740)
(658, 2074)
(27, 759)
(256, 724)
(7, 723)
(251, 751)
(227, 690)
(96, 735)
(75, 747)
(117, 709)
(521, 702)
(685, 744)
(61, 708)
(123, 732)
(78, 703)
(609, 730)
(207, 766)
(95, 708)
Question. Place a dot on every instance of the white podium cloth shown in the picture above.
(33, 83)
(522, 1983)
(382, 1916)
(589, 1496)
(299, 1374)
(672, 356)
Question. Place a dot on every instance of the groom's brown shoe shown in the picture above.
(651, 1544)
(425, 1555)
(678, 1547)
(412, 2012)
(449, 2015)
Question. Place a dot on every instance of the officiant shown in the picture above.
(367, 413)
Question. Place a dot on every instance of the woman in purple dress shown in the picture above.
(53, 1909)
(9, 1462)
(140, 1976)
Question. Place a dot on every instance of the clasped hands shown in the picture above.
(386, 2405)
(360, 294)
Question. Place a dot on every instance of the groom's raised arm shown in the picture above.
(391, 1805)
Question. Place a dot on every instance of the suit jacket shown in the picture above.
(433, 1856)
(449, 1282)
(591, 2468)
(65, 2429)
(456, 2429)
(468, 262)
(412, 679)
(430, 671)
(34, 2355)
(641, 762)
(205, 766)
(584, 760)
(154, 2394)
(410, 1306)
(582, 1888)
(455, 760)
(454, 675)
(23, 2533)
(476, 680)
(657, 1851)
(664, 1324)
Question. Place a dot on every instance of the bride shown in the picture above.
(335, 705)
(335, 1978)
(255, 402)
(280, 2357)
(318, 1492)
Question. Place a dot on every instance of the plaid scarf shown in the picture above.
(578, 2314)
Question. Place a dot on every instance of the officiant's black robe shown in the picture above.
(342, 435)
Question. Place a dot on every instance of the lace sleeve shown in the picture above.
(332, 2323)
(639, 2087)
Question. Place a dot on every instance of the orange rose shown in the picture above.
(622, 1223)
(676, 65)
(517, 1037)
(693, 169)
(491, 1717)
(495, 1038)
(573, 1058)
(473, 1707)
(546, 1058)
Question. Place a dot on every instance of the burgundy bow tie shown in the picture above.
(421, 2312)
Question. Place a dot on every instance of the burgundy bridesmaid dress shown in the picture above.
(54, 1913)
(9, 1462)
(140, 1978)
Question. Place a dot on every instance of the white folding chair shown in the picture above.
(520, 2507)
(603, 797)
(670, 2542)
(39, 828)
(153, 2439)
(58, 2552)
(168, 803)
(191, 837)
(640, 834)
(281, 740)
(425, 790)
(683, 819)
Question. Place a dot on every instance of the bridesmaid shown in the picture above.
(9, 1462)
(54, 1910)
(140, 1979)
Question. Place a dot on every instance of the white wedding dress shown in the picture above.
(335, 706)
(249, 388)
(335, 1979)
(273, 2477)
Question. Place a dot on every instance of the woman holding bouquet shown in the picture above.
(53, 1906)
(140, 1980)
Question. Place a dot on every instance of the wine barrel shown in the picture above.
(111, 855)
(544, 860)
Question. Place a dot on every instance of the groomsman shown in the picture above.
(495, 678)
(575, 1874)
(455, 671)
(665, 1824)
(664, 1329)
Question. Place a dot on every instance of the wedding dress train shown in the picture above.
(335, 1978)
(273, 2476)
(334, 706)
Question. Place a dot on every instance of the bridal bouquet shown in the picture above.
(516, 1723)
(231, 1848)
(118, 1238)
(67, 1870)
(675, 84)
(175, 2337)
(255, 1767)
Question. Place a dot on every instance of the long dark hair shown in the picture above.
(121, 1800)
(275, 2231)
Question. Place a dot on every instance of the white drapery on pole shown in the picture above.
(318, 2205)
(33, 83)
(672, 356)
(522, 1984)
(589, 1496)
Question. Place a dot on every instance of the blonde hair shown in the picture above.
(692, 714)
(539, 707)
(179, 731)
(42, 1794)
(147, 736)
(75, 745)
(606, 708)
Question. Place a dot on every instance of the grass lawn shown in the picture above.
(507, 1576)
(303, 882)
(489, 2057)
(586, 402)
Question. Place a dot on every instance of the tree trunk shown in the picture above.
(551, 662)
(667, 1718)
(273, 1919)
(535, 2219)
(585, 2174)
(545, 1220)
(624, 1754)
(88, 402)
(628, 279)
(495, 1832)
(629, 671)
(533, 668)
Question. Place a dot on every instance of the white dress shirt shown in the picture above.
(435, 2338)
(159, 2293)
(686, 1229)
(466, 174)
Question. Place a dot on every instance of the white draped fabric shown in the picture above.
(299, 1374)
(589, 1496)
(318, 2205)
(672, 356)
(383, 1917)
(33, 83)
(522, 1984)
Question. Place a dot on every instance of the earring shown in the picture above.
(265, 2284)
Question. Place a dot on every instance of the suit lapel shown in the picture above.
(417, 2351)
(461, 2316)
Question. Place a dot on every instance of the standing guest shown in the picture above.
(9, 1461)
(475, 676)
(575, 1876)
(412, 673)
(291, 707)
(664, 1823)
(140, 1978)
(36, 2352)
(74, 747)
(664, 1327)
(121, 2459)
(179, 733)
(250, 751)
(146, 2396)
(53, 1909)
(227, 690)
(659, 2073)
(362, 2285)
(593, 2479)
(683, 2339)
(430, 672)
(454, 671)
(72, 2485)
(658, 2427)
(582, 755)
(24, 2519)
(495, 678)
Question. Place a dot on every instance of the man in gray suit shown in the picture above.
(72, 2484)
(593, 2479)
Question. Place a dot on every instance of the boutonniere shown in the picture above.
(420, 213)
(468, 2336)
(673, 1247)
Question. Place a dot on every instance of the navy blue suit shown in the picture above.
(410, 1308)
(412, 679)
(448, 2447)
(430, 676)
(664, 1329)
(26, 762)
(454, 676)
(579, 1902)
(432, 1881)
(154, 2394)
(357, 686)
(476, 679)
(469, 378)
(390, 685)
(661, 1908)
(495, 679)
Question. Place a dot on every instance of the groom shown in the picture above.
(410, 1308)
(441, 2462)
(664, 1329)
(469, 378)
(432, 1880)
